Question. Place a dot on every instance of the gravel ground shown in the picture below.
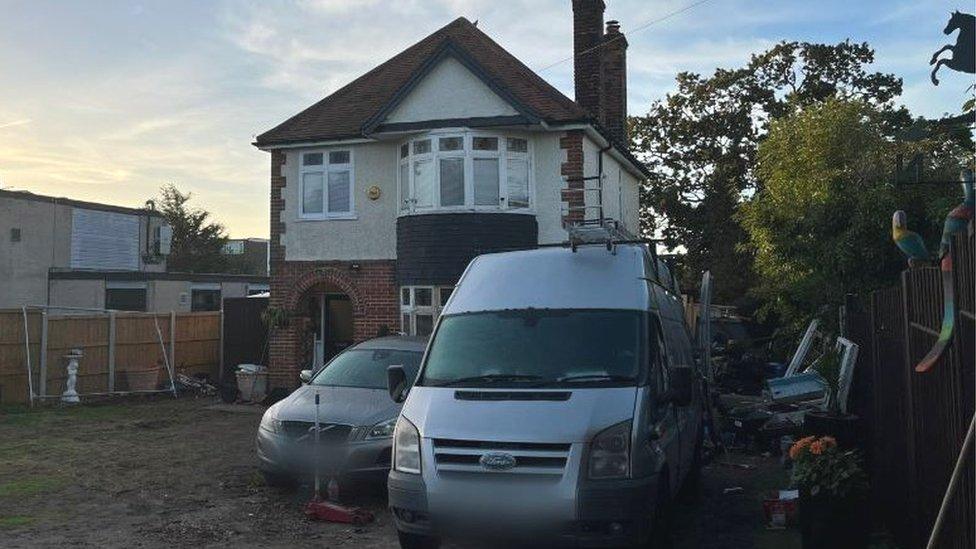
(180, 473)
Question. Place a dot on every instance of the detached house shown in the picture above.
(382, 192)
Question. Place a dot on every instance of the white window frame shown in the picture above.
(407, 205)
(325, 169)
(411, 309)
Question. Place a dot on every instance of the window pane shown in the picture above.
(518, 183)
(404, 150)
(405, 296)
(339, 195)
(486, 181)
(421, 147)
(312, 159)
(423, 297)
(423, 183)
(485, 143)
(404, 186)
(125, 299)
(312, 193)
(517, 145)
(405, 326)
(450, 144)
(425, 324)
(445, 295)
(339, 157)
(452, 182)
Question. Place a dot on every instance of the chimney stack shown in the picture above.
(613, 95)
(587, 38)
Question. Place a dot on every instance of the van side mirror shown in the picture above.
(396, 382)
(305, 376)
(682, 385)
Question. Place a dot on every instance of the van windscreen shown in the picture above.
(536, 347)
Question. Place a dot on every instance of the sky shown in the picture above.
(109, 100)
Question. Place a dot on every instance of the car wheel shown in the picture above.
(417, 541)
(661, 525)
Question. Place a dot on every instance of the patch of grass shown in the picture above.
(15, 521)
(29, 486)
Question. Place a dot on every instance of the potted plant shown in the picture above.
(832, 421)
(833, 494)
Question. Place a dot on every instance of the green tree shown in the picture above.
(197, 241)
(700, 142)
(819, 226)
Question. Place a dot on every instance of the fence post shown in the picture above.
(111, 351)
(220, 374)
(908, 371)
(42, 382)
(172, 344)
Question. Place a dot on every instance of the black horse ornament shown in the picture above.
(963, 57)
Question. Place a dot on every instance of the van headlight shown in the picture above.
(406, 447)
(610, 452)
(383, 429)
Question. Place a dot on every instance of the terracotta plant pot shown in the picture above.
(142, 380)
(833, 523)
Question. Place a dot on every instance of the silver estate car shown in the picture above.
(356, 415)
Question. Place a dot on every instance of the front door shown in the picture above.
(337, 324)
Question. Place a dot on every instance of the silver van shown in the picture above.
(558, 402)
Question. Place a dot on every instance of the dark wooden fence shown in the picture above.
(245, 335)
(914, 424)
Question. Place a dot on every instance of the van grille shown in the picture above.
(533, 458)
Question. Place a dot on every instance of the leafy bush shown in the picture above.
(821, 468)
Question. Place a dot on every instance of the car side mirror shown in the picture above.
(682, 385)
(305, 376)
(396, 382)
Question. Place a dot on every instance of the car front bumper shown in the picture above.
(613, 513)
(279, 455)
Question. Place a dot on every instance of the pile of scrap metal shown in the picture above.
(780, 410)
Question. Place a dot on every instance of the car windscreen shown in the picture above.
(366, 368)
(536, 347)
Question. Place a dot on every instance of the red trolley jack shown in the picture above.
(322, 509)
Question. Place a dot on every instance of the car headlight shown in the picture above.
(270, 423)
(406, 447)
(610, 452)
(383, 429)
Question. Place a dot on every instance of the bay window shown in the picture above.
(464, 170)
(420, 306)
(326, 184)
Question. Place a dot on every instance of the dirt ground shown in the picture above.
(181, 473)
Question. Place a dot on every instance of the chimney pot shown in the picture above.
(613, 26)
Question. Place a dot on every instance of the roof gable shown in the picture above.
(451, 86)
(357, 108)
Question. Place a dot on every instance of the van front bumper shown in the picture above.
(615, 513)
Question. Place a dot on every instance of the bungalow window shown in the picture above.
(464, 171)
(326, 184)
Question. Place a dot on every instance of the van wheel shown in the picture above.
(417, 541)
(693, 479)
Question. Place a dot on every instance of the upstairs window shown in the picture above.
(464, 171)
(326, 184)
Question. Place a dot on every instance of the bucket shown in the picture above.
(252, 385)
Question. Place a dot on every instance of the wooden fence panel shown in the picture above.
(918, 421)
(139, 362)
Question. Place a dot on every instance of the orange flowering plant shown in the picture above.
(820, 467)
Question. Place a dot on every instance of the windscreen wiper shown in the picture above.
(490, 378)
(594, 377)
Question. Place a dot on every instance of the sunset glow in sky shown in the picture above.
(107, 101)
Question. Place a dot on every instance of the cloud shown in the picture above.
(16, 123)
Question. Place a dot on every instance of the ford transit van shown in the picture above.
(558, 402)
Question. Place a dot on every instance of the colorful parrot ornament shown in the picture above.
(909, 242)
(956, 222)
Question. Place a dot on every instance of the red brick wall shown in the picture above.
(572, 168)
(371, 288)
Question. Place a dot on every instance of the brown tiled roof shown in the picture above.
(348, 112)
